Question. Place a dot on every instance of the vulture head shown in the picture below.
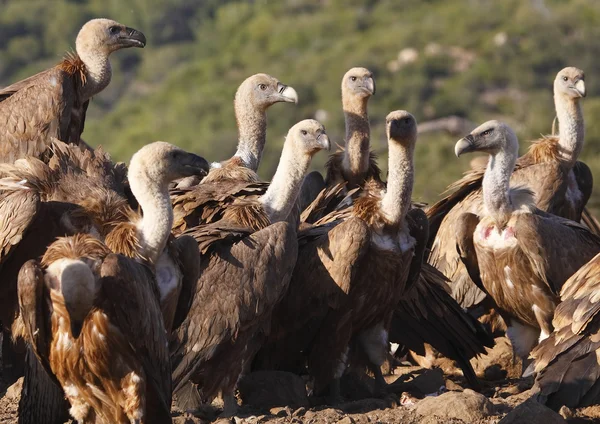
(263, 90)
(491, 137)
(401, 127)
(70, 263)
(309, 137)
(104, 36)
(358, 82)
(570, 83)
(162, 163)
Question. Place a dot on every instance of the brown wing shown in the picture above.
(38, 108)
(131, 292)
(419, 229)
(555, 247)
(567, 361)
(428, 314)
(239, 286)
(188, 257)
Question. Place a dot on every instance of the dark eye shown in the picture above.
(565, 79)
(353, 78)
(263, 87)
(486, 132)
(303, 132)
(406, 120)
(114, 29)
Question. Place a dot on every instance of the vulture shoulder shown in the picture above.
(42, 106)
(243, 275)
(566, 363)
(130, 290)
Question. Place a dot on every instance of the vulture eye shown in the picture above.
(263, 87)
(353, 78)
(406, 120)
(303, 132)
(114, 29)
(486, 132)
(565, 79)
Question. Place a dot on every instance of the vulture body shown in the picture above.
(353, 267)
(247, 260)
(560, 183)
(94, 320)
(567, 363)
(252, 99)
(520, 255)
(53, 103)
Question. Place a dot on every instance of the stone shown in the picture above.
(14, 391)
(468, 406)
(270, 389)
(531, 411)
(428, 381)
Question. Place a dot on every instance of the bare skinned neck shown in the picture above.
(356, 156)
(571, 128)
(252, 127)
(496, 185)
(98, 72)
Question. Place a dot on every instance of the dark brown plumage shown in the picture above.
(93, 318)
(566, 363)
(53, 103)
(521, 254)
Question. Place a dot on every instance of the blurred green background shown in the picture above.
(474, 59)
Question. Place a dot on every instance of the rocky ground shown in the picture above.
(417, 395)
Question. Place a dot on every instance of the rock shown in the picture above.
(468, 406)
(531, 411)
(14, 391)
(429, 381)
(268, 389)
(346, 420)
(494, 373)
(280, 411)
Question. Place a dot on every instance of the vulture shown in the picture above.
(53, 103)
(560, 183)
(80, 280)
(353, 266)
(567, 363)
(354, 163)
(520, 255)
(248, 255)
(252, 99)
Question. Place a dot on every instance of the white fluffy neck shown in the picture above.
(98, 72)
(252, 127)
(496, 185)
(285, 186)
(396, 201)
(155, 227)
(571, 128)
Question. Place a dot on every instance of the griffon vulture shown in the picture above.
(520, 255)
(53, 103)
(247, 261)
(561, 185)
(567, 363)
(142, 239)
(252, 99)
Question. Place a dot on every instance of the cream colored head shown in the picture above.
(161, 163)
(262, 91)
(308, 137)
(491, 137)
(104, 36)
(358, 83)
(74, 279)
(570, 83)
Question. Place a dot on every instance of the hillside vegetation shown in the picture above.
(477, 59)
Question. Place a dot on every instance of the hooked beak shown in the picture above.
(76, 327)
(580, 88)
(132, 38)
(464, 145)
(370, 86)
(287, 93)
(198, 165)
(324, 141)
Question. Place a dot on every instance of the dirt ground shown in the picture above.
(417, 395)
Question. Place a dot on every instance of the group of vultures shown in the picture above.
(125, 288)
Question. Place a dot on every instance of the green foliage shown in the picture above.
(480, 59)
